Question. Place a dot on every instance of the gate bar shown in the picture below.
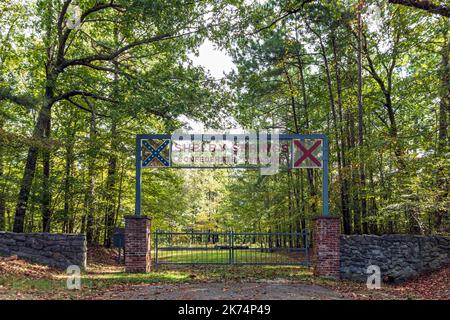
(138, 176)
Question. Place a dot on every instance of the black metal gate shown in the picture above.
(231, 248)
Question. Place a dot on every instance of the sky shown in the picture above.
(215, 60)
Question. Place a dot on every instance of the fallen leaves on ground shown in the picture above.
(12, 266)
(101, 259)
(435, 285)
(431, 286)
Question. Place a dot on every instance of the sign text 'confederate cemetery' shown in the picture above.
(232, 151)
(251, 150)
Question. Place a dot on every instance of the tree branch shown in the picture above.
(64, 36)
(67, 96)
(284, 16)
(113, 55)
(118, 52)
(429, 6)
(79, 106)
(61, 16)
(22, 100)
(80, 93)
(372, 70)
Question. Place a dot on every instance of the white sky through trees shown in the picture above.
(216, 61)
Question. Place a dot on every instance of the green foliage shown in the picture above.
(296, 70)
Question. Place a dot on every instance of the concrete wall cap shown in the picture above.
(326, 217)
(137, 217)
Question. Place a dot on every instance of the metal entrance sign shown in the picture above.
(227, 151)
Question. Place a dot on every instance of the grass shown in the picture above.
(99, 279)
(223, 256)
(14, 287)
(204, 274)
(104, 280)
(20, 279)
(22, 283)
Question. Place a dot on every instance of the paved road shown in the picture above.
(225, 291)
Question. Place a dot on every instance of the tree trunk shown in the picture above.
(354, 176)
(111, 187)
(386, 89)
(85, 204)
(346, 216)
(393, 131)
(2, 188)
(309, 172)
(30, 168)
(443, 181)
(40, 135)
(342, 163)
(444, 104)
(46, 188)
(91, 173)
(362, 174)
(294, 107)
(119, 196)
(68, 224)
(427, 5)
(112, 167)
(373, 227)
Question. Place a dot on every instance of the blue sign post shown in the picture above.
(306, 151)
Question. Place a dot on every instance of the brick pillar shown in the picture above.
(326, 238)
(137, 244)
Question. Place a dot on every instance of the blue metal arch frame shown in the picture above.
(323, 137)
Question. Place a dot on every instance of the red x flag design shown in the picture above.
(307, 153)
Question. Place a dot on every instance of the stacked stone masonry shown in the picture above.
(399, 257)
(52, 249)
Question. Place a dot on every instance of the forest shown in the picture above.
(371, 74)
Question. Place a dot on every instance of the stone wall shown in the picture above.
(399, 257)
(52, 249)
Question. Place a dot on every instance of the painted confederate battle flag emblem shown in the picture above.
(155, 153)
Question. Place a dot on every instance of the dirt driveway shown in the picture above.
(225, 291)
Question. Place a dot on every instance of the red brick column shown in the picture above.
(137, 244)
(326, 237)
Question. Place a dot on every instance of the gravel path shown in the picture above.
(225, 291)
